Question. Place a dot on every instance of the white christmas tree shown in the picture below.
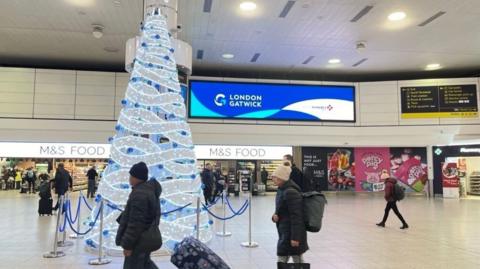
(152, 128)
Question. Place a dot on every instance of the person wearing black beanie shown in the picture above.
(141, 211)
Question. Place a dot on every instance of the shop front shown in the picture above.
(44, 157)
(456, 170)
(241, 164)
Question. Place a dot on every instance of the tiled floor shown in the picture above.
(443, 234)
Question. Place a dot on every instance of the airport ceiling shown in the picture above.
(346, 40)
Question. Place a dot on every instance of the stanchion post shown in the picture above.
(224, 232)
(198, 217)
(64, 242)
(56, 253)
(75, 235)
(101, 258)
(250, 243)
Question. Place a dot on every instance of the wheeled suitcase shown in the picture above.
(45, 207)
(193, 254)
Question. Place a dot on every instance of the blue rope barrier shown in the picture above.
(62, 229)
(243, 208)
(89, 230)
(78, 209)
(233, 210)
(86, 203)
(177, 209)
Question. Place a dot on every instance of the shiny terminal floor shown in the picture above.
(443, 234)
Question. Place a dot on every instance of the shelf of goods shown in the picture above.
(78, 170)
(270, 166)
(475, 183)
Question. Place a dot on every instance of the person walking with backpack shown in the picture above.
(391, 201)
(137, 234)
(288, 217)
(31, 178)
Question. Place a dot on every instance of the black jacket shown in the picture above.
(208, 179)
(297, 176)
(142, 209)
(291, 226)
(62, 181)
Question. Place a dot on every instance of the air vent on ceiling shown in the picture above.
(434, 17)
(360, 62)
(362, 13)
(207, 6)
(309, 59)
(255, 57)
(286, 9)
(199, 54)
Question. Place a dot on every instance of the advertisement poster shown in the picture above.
(256, 101)
(450, 180)
(409, 166)
(341, 169)
(314, 163)
(370, 162)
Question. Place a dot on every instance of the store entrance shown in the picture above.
(237, 174)
(469, 175)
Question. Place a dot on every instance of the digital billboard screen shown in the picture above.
(263, 101)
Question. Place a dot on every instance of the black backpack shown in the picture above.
(313, 207)
(398, 192)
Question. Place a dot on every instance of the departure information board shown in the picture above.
(446, 101)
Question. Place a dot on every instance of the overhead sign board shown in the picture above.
(263, 101)
(447, 101)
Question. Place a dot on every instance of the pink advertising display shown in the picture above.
(370, 162)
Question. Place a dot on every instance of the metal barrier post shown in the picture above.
(101, 258)
(64, 242)
(250, 244)
(75, 235)
(224, 232)
(56, 253)
(198, 217)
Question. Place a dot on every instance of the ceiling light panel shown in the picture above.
(362, 13)
(434, 17)
(286, 9)
(255, 57)
(308, 60)
(207, 6)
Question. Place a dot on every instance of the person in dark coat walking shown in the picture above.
(141, 210)
(207, 181)
(62, 182)
(288, 216)
(391, 202)
(92, 181)
(296, 175)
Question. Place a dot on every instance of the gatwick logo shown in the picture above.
(220, 100)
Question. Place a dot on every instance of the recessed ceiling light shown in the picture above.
(433, 66)
(228, 56)
(334, 61)
(248, 6)
(397, 16)
(81, 3)
(117, 2)
(97, 30)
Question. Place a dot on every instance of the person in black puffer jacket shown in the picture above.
(142, 209)
(289, 217)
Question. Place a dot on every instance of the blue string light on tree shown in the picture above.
(152, 128)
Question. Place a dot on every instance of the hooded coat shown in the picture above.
(142, 209)
(291, 225)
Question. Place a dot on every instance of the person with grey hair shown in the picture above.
(288, 217)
